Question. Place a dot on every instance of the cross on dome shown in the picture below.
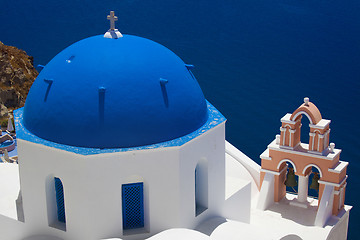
(112, 19)
(112, 32)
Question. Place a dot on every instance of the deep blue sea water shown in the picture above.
(255, 60)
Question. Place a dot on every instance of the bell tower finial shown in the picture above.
(112, 32)
(306, 101)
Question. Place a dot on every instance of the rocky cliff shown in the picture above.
(17, 74)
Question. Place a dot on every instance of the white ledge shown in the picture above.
(265, 155)
(340, 166)
(302, 149)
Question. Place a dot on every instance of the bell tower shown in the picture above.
(287, 157)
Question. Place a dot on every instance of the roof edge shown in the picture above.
(214, 118)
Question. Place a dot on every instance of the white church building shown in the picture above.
(117, 141)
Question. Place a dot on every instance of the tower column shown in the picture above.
(311, 141)
(303, 188)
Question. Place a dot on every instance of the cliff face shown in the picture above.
(17, 74)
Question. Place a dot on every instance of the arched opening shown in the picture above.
(201, 186)
(291, 179)
(133, 205)
(314, 173)
(60, 204)
(304, 130)
(55, 202)
(313, 183)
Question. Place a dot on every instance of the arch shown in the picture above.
(134, 179)
(201, 186)
(302, 113)
(286, 160)
(309, 110)
(312, 165)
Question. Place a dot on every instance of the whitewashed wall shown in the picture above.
(209, 146)
(92, 187)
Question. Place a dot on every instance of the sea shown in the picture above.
(255, 60)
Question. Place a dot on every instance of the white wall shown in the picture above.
(92, 187)
(209, 146)
(324, 211)
(266, 196)
(11, 228)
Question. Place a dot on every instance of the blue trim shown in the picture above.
(189, 66)
(215, 118)
(41, 67)
(60, 200)
(133, 205)
(163, 81)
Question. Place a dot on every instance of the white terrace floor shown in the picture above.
(281, 221)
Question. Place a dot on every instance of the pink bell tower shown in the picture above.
(288, 151)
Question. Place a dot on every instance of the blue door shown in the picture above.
(133, 205)
(60, 200)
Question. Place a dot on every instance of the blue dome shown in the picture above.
(114, 93)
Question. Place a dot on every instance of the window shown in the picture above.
(60, 200)
(133, 205)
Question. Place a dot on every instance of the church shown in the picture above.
(117, 141)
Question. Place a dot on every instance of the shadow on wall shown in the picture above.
(42, 237)
(210, 225)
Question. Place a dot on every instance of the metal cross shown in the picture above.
(112, 19)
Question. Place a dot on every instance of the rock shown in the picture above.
(3, 110)
(10, 98)
(17, 74)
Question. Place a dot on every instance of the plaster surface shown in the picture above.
(9, 189)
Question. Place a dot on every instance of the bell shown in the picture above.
(290, 178)
(315, 182)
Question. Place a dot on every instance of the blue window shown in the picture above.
(60, 200)
(133, 205)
